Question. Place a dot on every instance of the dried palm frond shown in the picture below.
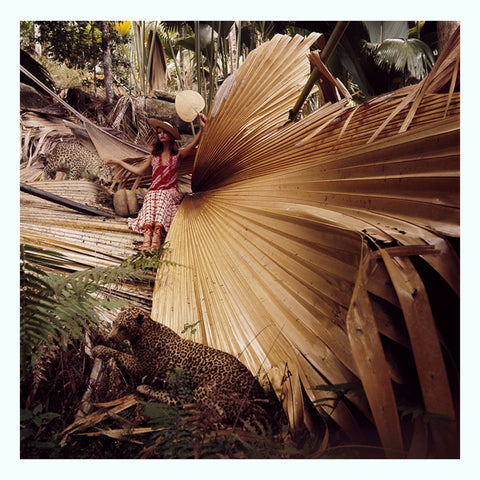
(282, 230)
(106, 410)
(158, 71)
(83, 240)
(128, 115)
(39, 134)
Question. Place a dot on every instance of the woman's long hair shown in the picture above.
(157, 147)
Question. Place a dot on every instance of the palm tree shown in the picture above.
(393, 49)
(107, 62)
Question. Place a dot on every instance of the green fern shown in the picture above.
(57, 308)
(146, 260)
(174, 437)
(339, 393)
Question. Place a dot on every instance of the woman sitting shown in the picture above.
(163, 198)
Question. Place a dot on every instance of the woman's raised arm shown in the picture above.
(187, 150)
(139, 169)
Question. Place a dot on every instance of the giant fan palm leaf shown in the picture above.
(297, 238)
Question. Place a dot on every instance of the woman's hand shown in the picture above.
(203, 120)
(190, 147)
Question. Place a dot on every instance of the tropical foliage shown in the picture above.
(323, 251)
(393, 50)
(201, 55)
(56, 309)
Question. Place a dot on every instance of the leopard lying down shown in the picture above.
(221, 384)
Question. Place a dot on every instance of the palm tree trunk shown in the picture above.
(444, 32)
(232, 40)
(107, 63)
(181, 55)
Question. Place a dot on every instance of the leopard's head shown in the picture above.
(128, 324)
(101, 173)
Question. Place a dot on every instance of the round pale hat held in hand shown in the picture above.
(188, 105)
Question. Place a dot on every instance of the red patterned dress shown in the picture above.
(162, 199)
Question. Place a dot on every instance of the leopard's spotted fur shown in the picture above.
(78, 162)
(220, 383)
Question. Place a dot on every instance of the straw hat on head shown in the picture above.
(168, 127)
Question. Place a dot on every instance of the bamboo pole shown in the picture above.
(336, 36)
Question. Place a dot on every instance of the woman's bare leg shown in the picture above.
(147, 238)
(157, 236)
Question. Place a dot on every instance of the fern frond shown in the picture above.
(58, 306)
(31, 256)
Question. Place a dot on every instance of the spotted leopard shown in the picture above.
(78, 162)
(219, 382)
